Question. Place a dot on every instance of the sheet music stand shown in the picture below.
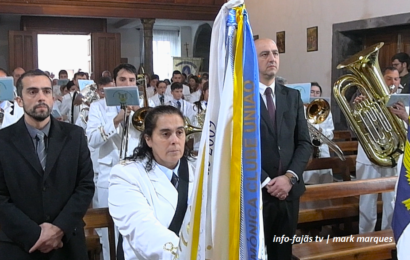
(123, 97)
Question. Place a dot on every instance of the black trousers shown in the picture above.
(280, 218)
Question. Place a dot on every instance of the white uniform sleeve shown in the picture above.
(328, 127)
(100, 128)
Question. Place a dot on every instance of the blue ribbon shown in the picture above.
(231, 25)
(251, 155)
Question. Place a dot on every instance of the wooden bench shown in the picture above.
(92, 241)
(329, 211)
(348, 189)
(356, 250)
(342, 135)
(338, 166)
(351, 164)
(344, 191)
(348, 147)
(98, 218)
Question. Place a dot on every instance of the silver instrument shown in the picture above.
(88, 95)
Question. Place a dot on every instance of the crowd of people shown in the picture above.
(103, 131)
(62, 169)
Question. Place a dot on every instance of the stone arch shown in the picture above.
(202, 44)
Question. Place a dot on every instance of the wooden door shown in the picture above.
(395, 41)
(105, 52)
(389, 48)
(404, 42)
(23, 50)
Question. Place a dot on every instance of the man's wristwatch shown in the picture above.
(293, 180)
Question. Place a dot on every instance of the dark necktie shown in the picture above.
(270, 104)
(179, 105)
(272, 115)
(41, 149)
(175, 180)
(161, 99)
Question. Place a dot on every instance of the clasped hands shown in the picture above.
(279, 187)
(50, 239)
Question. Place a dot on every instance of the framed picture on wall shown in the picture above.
(312, 42)
(280, 41)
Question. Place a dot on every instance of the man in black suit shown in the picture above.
(46, 179)
(286, 149)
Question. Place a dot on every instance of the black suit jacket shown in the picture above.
(29, 196)
(292, 138)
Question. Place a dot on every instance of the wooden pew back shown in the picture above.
(342, 135)
(344, 192)
(334, 163)
(101, 218)
(348, 189)
(348, 147)
(350, 163)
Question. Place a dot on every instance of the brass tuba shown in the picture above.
(317, 112)
(381, 134)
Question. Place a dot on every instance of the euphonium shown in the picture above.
(199, 119)
(88, 95)
(139, 115)
(381, 134)
(189, 128)
(317, 112)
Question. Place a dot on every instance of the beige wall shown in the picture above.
(131, 42)
(293, 16)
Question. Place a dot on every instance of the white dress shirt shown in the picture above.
(262, 89)
(185, 91)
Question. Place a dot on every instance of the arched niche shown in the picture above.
(202, 44)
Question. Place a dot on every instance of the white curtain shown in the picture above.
(166, 44)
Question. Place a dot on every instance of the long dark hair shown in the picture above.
(198, 105)
(143, 151)
(192, 90)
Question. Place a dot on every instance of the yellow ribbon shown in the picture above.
(236, 159)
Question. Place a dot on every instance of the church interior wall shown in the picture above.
(186, 38)
(294, 17)
(131, 40)
(131, 43)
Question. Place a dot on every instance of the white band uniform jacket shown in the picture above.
(143, 205)
(102, 134)
(185, 91)
(157, 101)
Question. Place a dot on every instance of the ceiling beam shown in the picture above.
(128, 23)
(114, 9)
